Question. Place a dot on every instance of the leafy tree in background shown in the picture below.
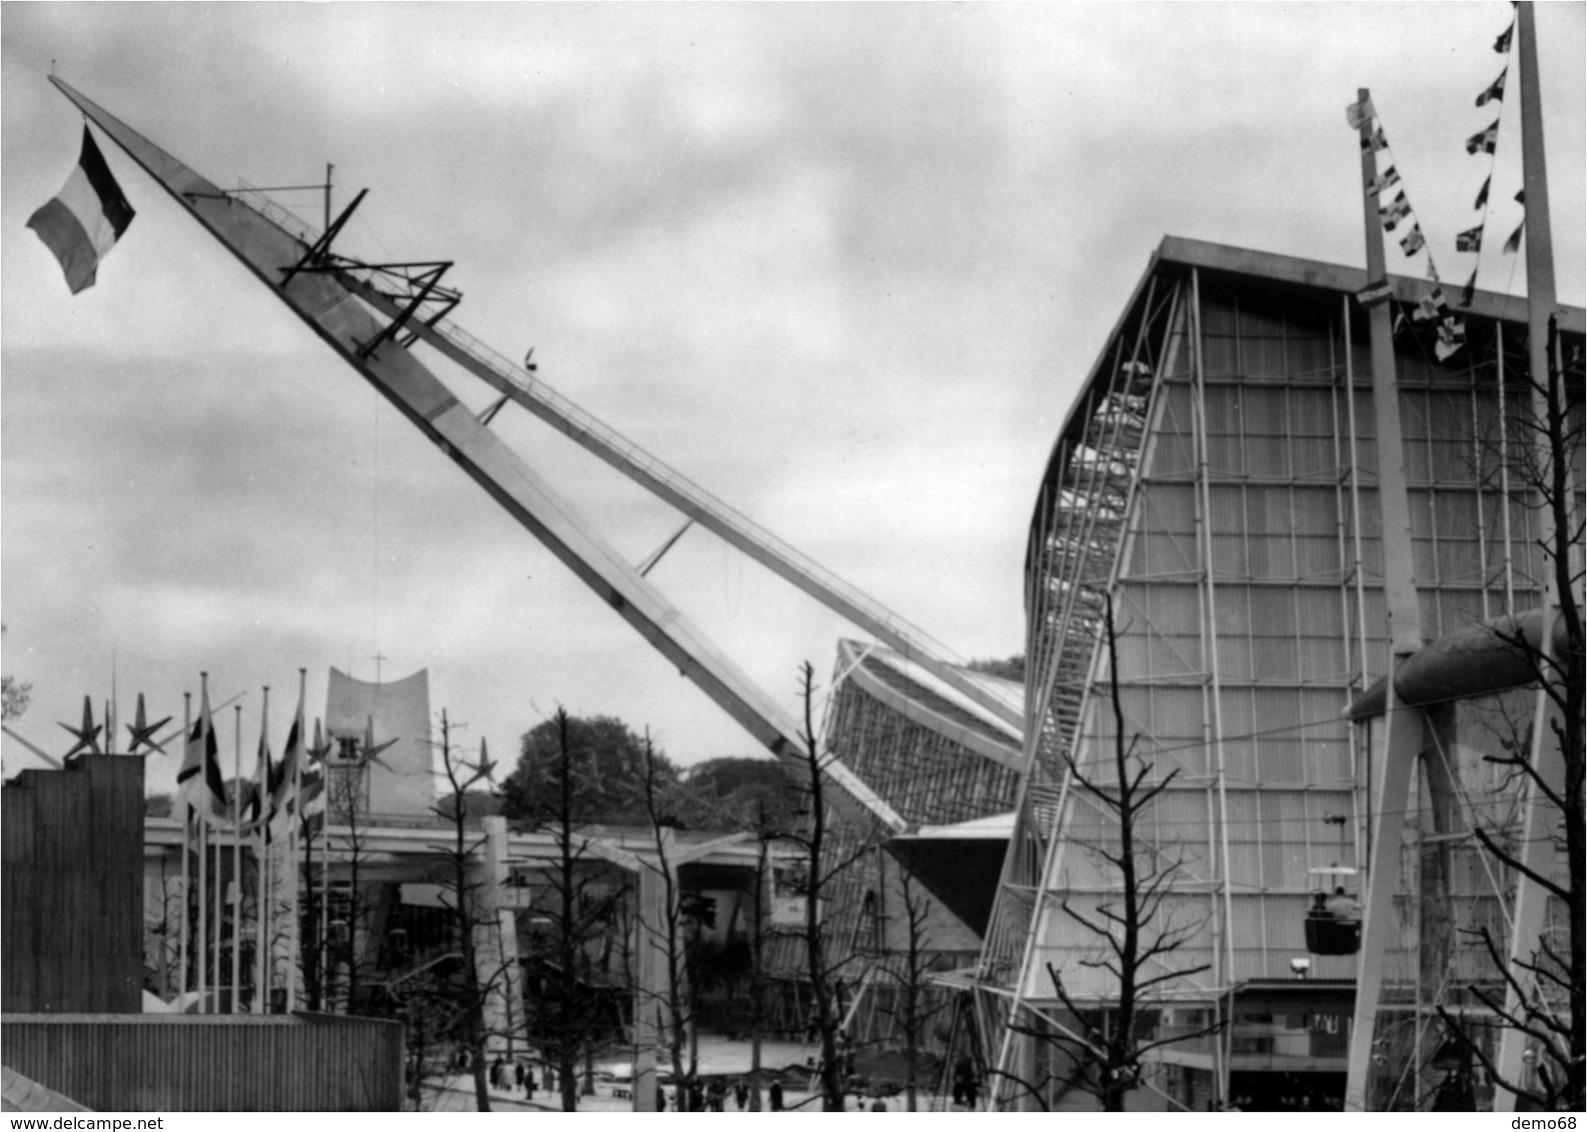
(739, 792)
(1011, 669)
(598, 776)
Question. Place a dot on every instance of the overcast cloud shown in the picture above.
(845, 266)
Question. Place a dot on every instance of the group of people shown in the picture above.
(966, 1089)
(711, 1096)
(1338, 906)
(506, 1075)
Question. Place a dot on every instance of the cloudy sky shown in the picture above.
(843, 266)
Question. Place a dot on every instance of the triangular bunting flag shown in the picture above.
(1470, 240)
(1513, 244)
(1495, 92)
(1484, 141)
(1469, 292)
(1413, 241)
(1393, 212)
(1388, 177)
(1482, 194)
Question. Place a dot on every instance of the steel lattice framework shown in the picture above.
(1216, 480)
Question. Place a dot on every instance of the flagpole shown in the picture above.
(203, 858)
(295, 924)
(234, 890)
(261, 850)
(1535, 857)
(187, 847)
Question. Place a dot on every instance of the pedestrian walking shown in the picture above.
(741, 1095)
(774, 1096)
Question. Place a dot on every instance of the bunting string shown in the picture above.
(1435, 307)
(1397, 212)
(1486, 141)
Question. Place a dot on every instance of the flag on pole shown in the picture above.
(258, 809)
(199, 782)
(1413, 241)
(82, 222)
(1482, 194)
(311, 785)
(283, 775)
(1393, 212)
(311, 800)
(1390, 176)
(1470, 240)
(1513, 244)
(1484, 141)
(1495, 91)
(1358, 112)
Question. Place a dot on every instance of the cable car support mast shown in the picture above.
(315, 285)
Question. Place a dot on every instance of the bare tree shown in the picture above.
(461, 896)
(341, 944)
(758, 921)
(670, 936)
(828, 859)
(913, 1004)
(1137, 936)
(566, 1017)
(1544, 994)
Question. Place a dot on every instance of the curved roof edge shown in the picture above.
(1289, 271)
(1336, 277)
(1004, 751)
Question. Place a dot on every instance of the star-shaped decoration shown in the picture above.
(318, 752)
(371, 749)
(485, 768)
(143, 731)
(88, 734)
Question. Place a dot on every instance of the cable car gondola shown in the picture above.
(1333, 922)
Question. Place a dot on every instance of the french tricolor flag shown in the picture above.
(83, 221)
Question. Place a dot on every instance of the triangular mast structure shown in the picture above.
(371, 313)
(1406, 724)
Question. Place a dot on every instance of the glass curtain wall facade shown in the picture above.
(1215, 482)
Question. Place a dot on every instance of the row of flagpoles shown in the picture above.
(284, 802)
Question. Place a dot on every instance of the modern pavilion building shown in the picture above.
(1215, 483)
(940, 759)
